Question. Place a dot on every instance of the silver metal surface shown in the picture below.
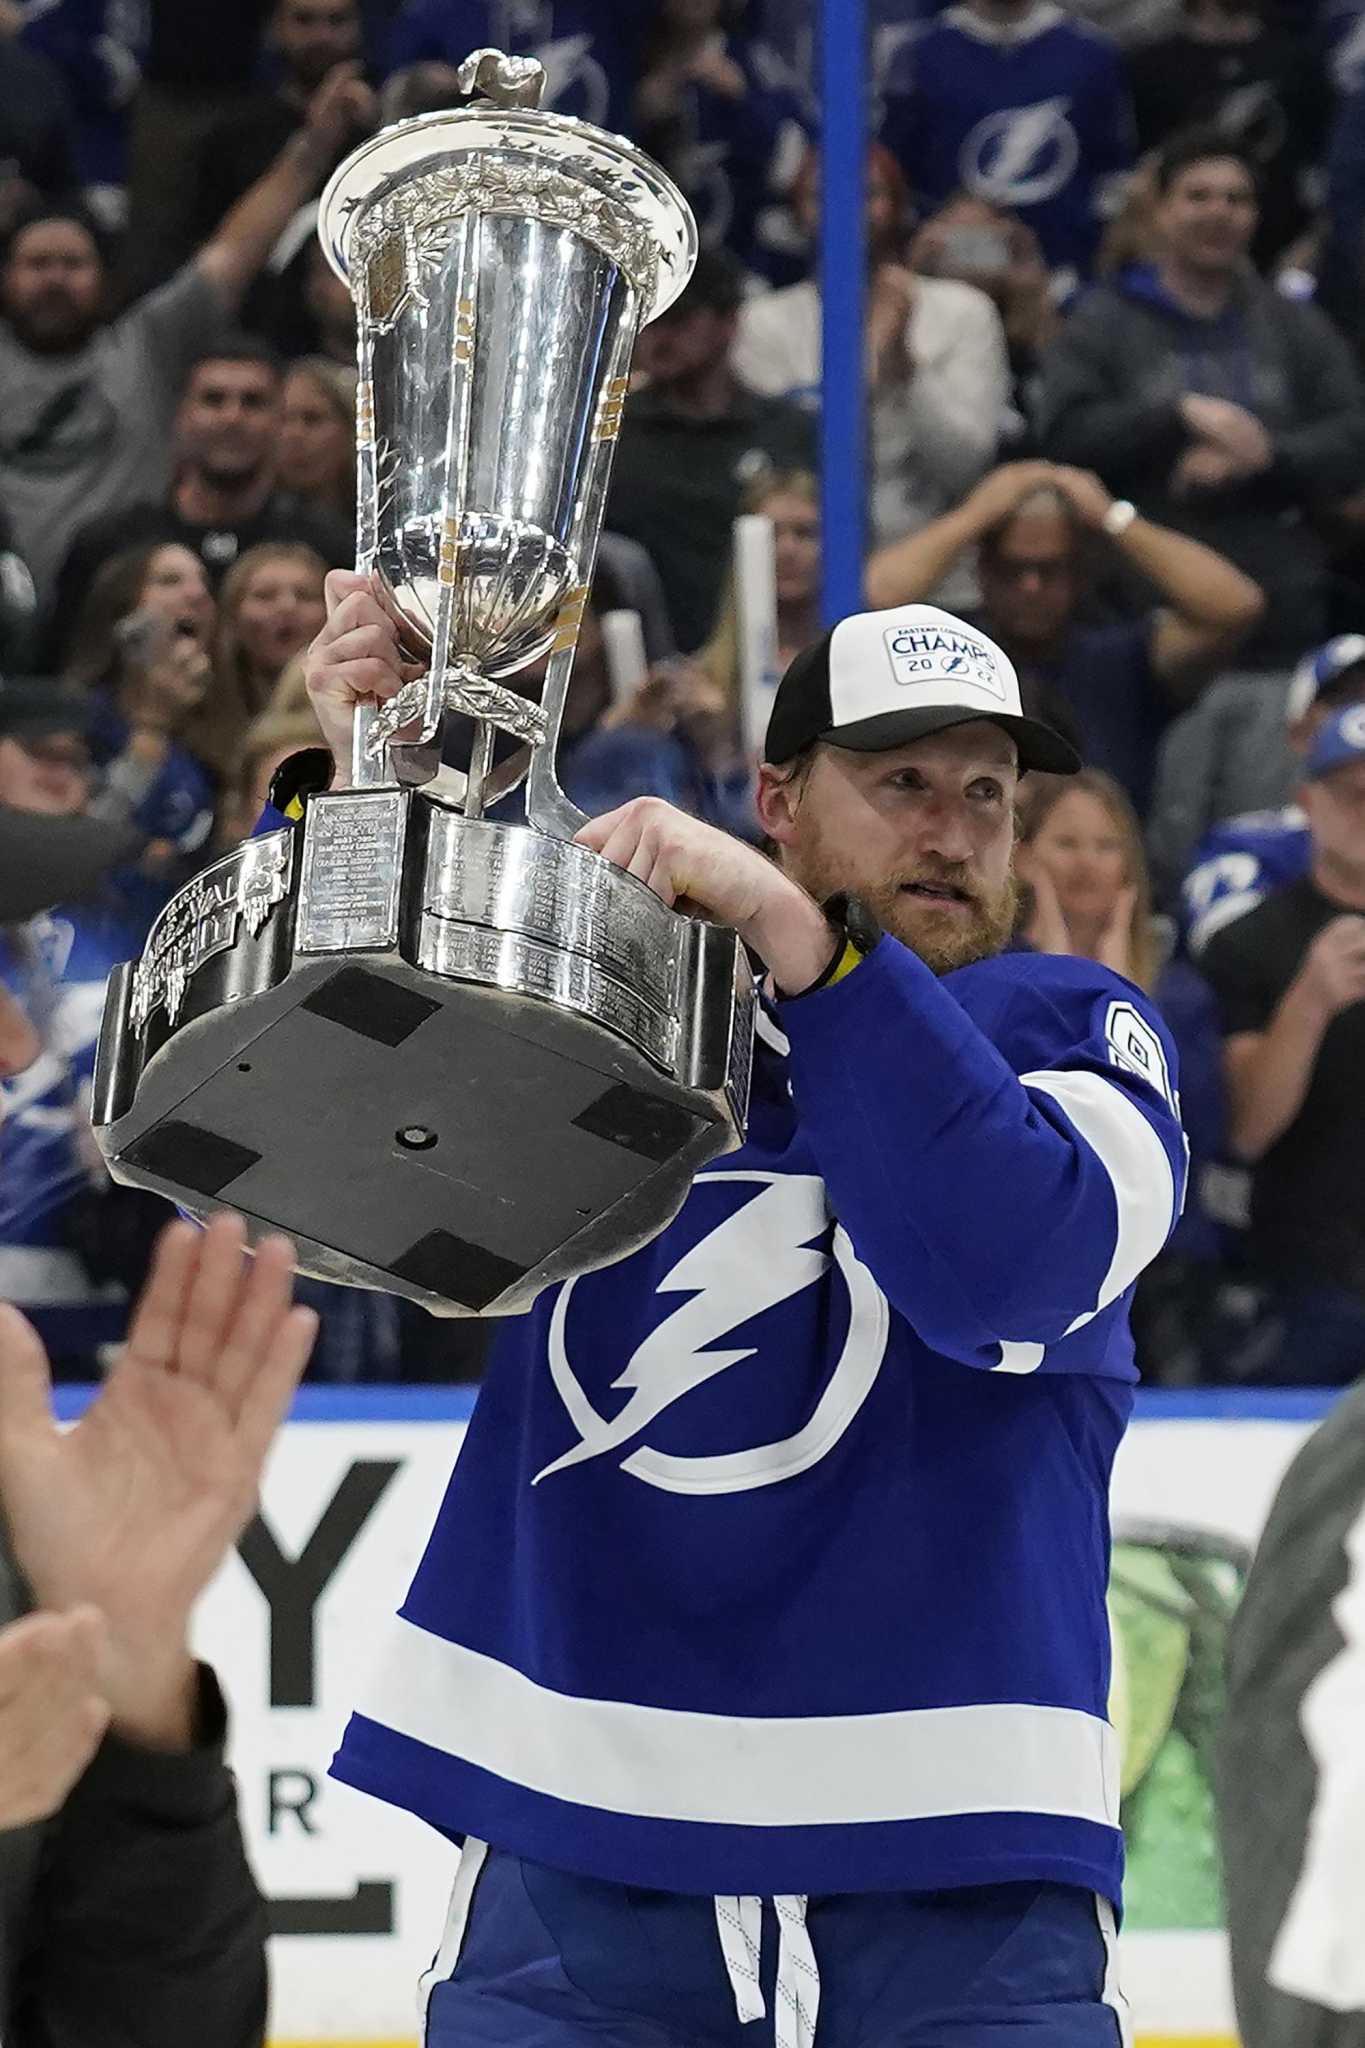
(512, 879)
(454, 1058)
(205, 919)
(351, 872)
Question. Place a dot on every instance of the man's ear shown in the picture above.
(776, 797)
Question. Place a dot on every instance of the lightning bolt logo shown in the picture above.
(1021, 155)
(759, 1256)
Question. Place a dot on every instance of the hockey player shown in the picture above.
(758, 1659)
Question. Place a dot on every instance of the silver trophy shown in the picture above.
(454, 1058)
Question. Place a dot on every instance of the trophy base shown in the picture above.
(326, 1107)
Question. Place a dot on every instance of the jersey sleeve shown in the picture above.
(1226, 880)
(1006, 1181)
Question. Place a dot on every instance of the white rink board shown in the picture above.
(343, 1856)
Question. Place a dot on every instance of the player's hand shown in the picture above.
(356, 659)
(688, 863)
(53, 1711)
(1333, 972)
(134, 1509)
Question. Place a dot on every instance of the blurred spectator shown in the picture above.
(1033, 525)
(270, 607)
(70, 1243)
(1224, 409)
(1290, 1787)
(1290, 979)
(37, 134)
(980, 244)
(269, 742)
(1019, 105)
(97, 46)
(1081, 856)
(88, 406)
(692, 438)
(1090, 894)
(937, 378)
(719, 111)
(141, 647)
(224, 500)
(1226, 772)
(127, 1890)
(590, 48)
(304, 40)
(18, 607)
(317, 437)
(1131, 23)
(329, 309)
(200, 58)
(791, 500)
(681, 735)
(1231, 66)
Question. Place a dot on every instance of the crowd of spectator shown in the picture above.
(1115, 360)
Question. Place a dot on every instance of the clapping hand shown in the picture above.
(133, 1509)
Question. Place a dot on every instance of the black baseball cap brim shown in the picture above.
(1036, 744)
(49, 860)
(801, 716)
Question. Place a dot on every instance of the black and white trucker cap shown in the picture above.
(878, 679)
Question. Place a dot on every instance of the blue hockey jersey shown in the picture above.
(56, 965)
(1235, 864)
(775, 1557)
(1034, 117)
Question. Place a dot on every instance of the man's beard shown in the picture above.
(944, 939)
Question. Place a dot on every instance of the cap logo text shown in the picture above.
(930, 654)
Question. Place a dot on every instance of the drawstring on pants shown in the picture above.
(796, 1994)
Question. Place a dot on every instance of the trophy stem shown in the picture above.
(480, 765)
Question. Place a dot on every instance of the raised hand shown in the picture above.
(134, 1508)
(53, 1711)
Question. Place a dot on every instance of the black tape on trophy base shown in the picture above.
(656, 1130)
(370, 1005)
(190, 1157)
(449, 1265)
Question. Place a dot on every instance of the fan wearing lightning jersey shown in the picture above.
(758, 1659)
(1015, 103)
(1242, 859)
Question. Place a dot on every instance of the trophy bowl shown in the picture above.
(456, 1057)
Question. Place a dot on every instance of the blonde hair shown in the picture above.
(719, 657)
(215, 731)
(274, 732)
(1144, 947)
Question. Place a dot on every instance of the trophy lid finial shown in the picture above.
(505, 81)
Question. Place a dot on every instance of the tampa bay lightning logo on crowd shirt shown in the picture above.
(762, 1252)
(1021, 156)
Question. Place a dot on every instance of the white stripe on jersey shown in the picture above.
(1133, 1156)
(730, 1771)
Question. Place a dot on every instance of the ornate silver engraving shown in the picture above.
(204, 920)
(426, 210)
(521, 966)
